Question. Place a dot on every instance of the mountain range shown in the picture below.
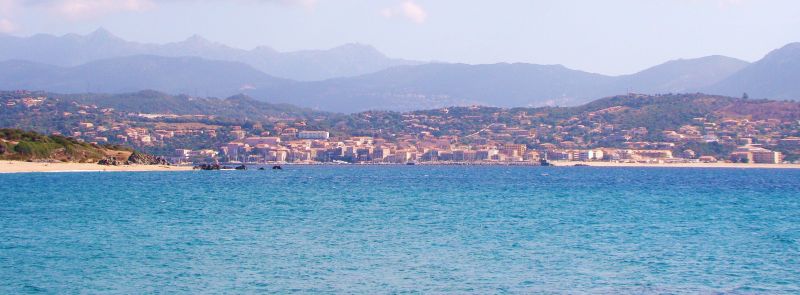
(504, 85)
(73, 50)
(186, 75)
(354, 77)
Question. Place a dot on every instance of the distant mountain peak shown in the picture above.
(358, 48)
(69, 50)
(682, 75)
(774, 76)
(101, 33)
(197, 39)
(355, 45)
(693, 64)
(791, 50)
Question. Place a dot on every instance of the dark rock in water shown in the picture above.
(208, 167)
(218, 167)
(145, 159)
(277, 167)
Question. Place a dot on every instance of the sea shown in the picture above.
(403, 229)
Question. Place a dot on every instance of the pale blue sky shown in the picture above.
(610, 37)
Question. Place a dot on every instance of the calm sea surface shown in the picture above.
(402, 229)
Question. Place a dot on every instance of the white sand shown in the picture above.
(21, 167)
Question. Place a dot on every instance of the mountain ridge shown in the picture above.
(682, 75)
(305, 65)
(398, 88)
(181, 75)
(501, 84)
(774, 76)
(198, 66)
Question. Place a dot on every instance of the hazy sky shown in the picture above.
(611, 37)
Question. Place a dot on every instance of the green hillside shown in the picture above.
(16, 144)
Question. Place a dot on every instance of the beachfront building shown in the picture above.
(590, 155)
(767, 157)
(756, 154)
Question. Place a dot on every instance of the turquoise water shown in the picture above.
(402, 229)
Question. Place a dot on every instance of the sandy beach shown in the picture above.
(27, 167)
(680, 165)
(23, 167)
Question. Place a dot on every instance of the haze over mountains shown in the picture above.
(178, 75)
(775, 76)
(355, 77)
(73, 50)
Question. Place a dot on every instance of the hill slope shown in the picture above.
(438, 85)
(16, 144)
(399, 88)
(624, 112)
(504, 85)
(153, 102)
(683, 75)
(775, 76)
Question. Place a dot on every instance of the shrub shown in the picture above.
(33, 145)
(35, 149)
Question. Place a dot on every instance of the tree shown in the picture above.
(745, 96)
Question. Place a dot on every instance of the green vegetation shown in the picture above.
(656, 113)
(154, 102)
(25, 145)
(609, 122)
(706, 149)
(36, 149)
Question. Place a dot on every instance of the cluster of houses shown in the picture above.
(319, 147)
(519, 139)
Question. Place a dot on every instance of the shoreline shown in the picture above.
(553, 163)
(676, 165)
(7, 167)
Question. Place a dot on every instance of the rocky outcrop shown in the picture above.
(208, 167)
(3, 147)
(138, 158)
(111, 161)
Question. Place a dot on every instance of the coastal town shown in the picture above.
(493, 146)
(459, 135)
